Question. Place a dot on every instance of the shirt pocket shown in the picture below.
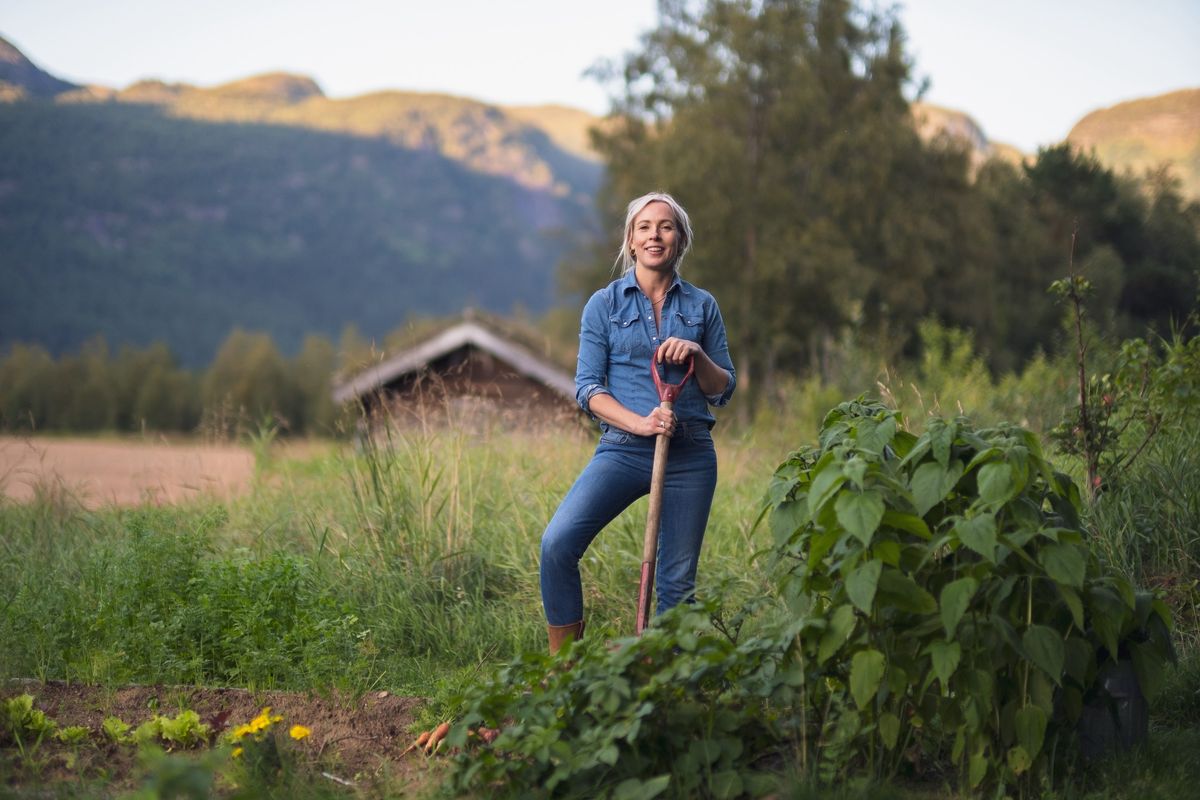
(688, 326)
(624, 332)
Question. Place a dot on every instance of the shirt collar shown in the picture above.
(629, 282)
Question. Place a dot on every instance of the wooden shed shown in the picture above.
(467, 374)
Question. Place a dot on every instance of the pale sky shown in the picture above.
(1026, 70)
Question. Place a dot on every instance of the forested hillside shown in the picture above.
(827, 205)
(174, 214)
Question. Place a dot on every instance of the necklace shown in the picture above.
(654, 303)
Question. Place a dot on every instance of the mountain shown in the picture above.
(19, 77)
(933, 122)
(172, 212)
(1139, 135)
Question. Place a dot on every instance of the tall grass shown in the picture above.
(406, 562)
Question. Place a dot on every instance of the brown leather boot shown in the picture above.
(561, 634)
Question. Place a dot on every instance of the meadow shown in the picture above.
(406, 566)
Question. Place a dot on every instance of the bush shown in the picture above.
(687, 710)
(951, 601)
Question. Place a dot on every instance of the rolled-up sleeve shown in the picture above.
(591, 368)
(716, 345)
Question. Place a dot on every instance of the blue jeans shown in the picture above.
(618, 474)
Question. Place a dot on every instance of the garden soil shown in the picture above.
(360, 740)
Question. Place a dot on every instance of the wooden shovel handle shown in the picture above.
(653, 517)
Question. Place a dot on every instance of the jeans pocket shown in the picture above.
(699, 434)
(614, 436)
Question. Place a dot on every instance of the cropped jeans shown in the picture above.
(618, 474)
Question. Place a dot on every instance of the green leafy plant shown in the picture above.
(184, 730)
(688, 710)
(953, 604)
(25, 721)
(72, 734)
(1152, 383)
(116, 730)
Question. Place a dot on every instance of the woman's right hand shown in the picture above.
(660, 420)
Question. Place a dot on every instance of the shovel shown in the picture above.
(667, 394)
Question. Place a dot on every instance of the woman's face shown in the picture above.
(654, 239)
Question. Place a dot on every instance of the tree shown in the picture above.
(312, 372)
(248, 381)
(783, 127)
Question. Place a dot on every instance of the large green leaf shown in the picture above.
(841, 625)
(638, 789)
(860, 513)
(945, 657)
(1044, 647)
(979, 534)
(786, 518)
(1106, 611)
(941, 439)
(855, 471)
(1031, 729)
(900, 591)
(955, 599)
(889, 729)
(727, 784)
(977, 768)
(997, 484)
(873, 435)
(827, 478)
(932, 482)
(861, 585)
(866, 672)
(1064, 563)
(907, 522)
(1074, 603)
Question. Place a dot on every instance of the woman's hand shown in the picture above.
(677, 351)
(660, 420)
(711, 378)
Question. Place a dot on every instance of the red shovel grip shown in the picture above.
(668, 392)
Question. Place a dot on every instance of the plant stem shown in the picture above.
(1089, 436)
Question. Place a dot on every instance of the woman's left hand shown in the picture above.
(677, 351)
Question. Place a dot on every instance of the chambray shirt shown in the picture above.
(617, 339)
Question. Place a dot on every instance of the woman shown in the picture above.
(648, 310)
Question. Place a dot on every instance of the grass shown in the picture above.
(410, 564)
(389, 568)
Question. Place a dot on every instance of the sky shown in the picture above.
(1026, 70)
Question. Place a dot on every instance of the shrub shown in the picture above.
(683, 711)
(951, 600)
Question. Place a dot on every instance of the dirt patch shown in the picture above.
(361, 741)
(124, 473)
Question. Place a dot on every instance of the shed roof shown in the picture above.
(464, 334)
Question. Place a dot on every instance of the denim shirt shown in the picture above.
(617, 339)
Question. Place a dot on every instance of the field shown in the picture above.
(359, 592)
(122, 472)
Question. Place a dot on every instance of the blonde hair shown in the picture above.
(625, 260)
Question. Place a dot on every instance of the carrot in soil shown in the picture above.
(436, 737)
(420, 742)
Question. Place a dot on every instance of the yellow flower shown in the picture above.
(264, 720)
(298, 732)
(240, 731)
(237, 752)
